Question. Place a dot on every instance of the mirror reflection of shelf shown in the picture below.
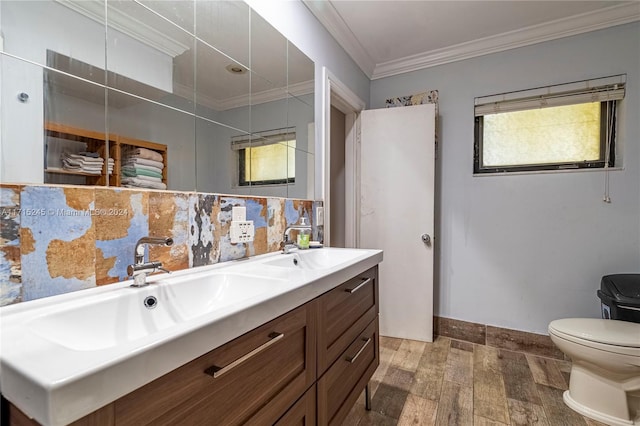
(118, 152)
(60, 136)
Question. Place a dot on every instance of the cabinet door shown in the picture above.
(228, 385)
(343, 382)
(303, 412)
(344, 312)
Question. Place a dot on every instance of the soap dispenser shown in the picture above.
(304, 236)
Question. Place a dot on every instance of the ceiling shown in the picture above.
(229, 34)
(392, 37)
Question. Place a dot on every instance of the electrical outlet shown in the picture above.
(241, 231)
(320, 216)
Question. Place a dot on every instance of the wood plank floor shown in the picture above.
(451, 382)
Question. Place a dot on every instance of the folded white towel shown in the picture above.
(81, 163)
(84, 158)
(80, 169)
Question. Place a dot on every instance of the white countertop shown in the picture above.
(57, 384)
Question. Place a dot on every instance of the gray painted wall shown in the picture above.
(519, 251)
(297, 23)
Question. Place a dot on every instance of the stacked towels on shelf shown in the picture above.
(142, 168)
(85, 162)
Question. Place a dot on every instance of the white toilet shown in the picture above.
(605, 371)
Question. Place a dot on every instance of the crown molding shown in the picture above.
(120, 21)
(565, 27)
(297, 89)
(330, 18)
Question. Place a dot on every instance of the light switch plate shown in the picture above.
(239, 214)
(241, 231)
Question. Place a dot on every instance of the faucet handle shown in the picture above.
(146, 268)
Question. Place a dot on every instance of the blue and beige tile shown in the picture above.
(229, 251)
(169, 217)
(79, 237)
(276, 223)
(57, 240)
(10, 270)
(122, 219)
(204, 248)
(257, 212)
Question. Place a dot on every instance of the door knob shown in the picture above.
(426, 239)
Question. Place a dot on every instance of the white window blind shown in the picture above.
(263, 138)
(596, 90)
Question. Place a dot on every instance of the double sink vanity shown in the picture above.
(274, 339)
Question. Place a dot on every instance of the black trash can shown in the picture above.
(620, 296)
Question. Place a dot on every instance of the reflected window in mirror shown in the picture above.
(267, 158)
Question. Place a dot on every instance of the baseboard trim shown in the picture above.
(497, 337)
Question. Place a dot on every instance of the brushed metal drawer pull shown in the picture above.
(216, 371)
(353, 358)
(359, 286)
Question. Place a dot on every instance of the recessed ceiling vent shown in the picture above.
(236, 69)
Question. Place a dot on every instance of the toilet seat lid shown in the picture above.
(610, 332)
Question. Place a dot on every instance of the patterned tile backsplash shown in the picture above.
(58, 239)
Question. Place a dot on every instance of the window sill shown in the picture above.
(268, 185)
(539, 172)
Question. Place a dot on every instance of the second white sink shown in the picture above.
(315, 259)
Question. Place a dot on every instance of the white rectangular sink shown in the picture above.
(315, 259)
(131, 314)
(63, 357)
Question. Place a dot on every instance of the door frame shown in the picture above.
(336, 93)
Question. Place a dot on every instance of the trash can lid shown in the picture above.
(624, 288)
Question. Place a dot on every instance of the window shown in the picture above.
(266, 158)
(569, 126)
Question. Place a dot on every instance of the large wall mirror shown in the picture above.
(181, 95)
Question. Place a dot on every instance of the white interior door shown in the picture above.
(396, 209)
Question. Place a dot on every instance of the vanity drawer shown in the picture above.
(302, 413)
(273, 364)
(344, 312)
(344, 381)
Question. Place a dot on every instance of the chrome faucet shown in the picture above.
(287, 245)
(139, 269)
